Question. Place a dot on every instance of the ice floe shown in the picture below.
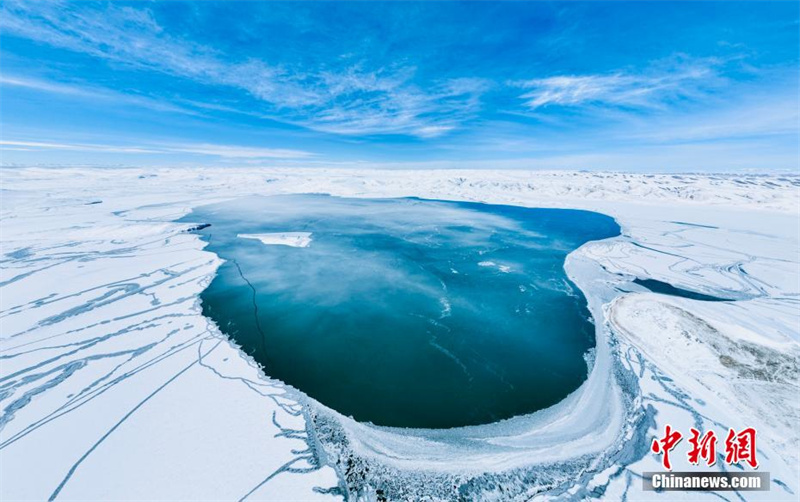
(502, 268)
(292, 239)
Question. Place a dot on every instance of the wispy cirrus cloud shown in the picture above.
(94, 93)
(344, 100)
(210, 149)
(132, 37)
(237, 151)
(430, 113)
(651, 88)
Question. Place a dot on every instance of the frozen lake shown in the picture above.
(405, 312)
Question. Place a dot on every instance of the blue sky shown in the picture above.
(647, 86)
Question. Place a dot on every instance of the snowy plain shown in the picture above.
(114, 386)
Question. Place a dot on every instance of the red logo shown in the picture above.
(666, 444)
(703, 447)
(739, 447)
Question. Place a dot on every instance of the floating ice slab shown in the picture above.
(291, 239)
(502, 268)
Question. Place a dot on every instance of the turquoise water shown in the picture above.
(406, 312)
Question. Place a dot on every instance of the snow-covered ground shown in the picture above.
(114, 386)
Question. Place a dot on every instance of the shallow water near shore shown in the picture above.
(405, 312)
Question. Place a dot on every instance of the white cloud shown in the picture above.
(400, 110)
(350, 100)
(678, 78)
(238, 152)
(222, 151)
(40, 145)
(92, 93)
(132, 37)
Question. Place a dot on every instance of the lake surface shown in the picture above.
(405, 312)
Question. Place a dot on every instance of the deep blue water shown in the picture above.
(406, 312)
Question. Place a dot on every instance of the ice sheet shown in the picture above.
(113, 385)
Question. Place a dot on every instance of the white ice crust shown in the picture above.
(114, 386)
(291, 239)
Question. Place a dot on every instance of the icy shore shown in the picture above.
(113, 385)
